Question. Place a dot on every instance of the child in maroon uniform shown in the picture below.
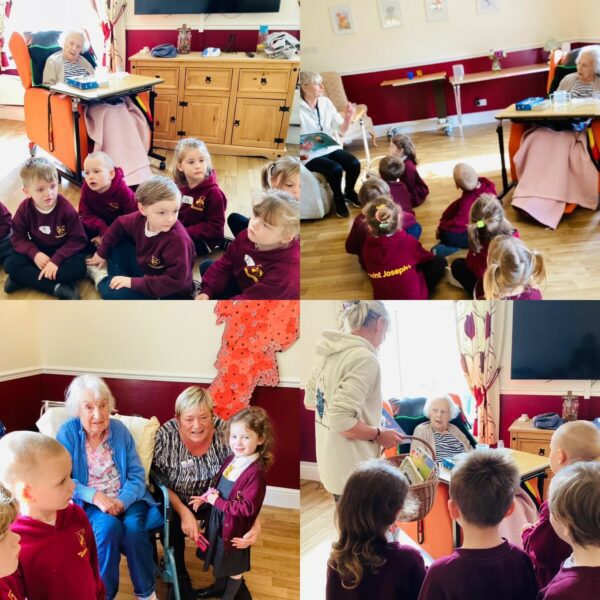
(48, 237)
(398, 266)
(149, 253)
(203, 202)
(5, 225)
(572, 442)
(391, 169)
(363, 563)
(486, 566)
(372, 188)
(452, 230)
(402, 146)
(237, 499)
(487, 220)
(104, 196)
(574, 503)
(514, 272)
(263, 262)
(10, 585)
(58, 559)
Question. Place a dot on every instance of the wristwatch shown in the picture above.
(376, 435)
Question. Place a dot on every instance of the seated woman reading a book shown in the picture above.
(320, 148)
(446, 438)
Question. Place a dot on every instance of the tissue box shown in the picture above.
(528, 103)
(83, 82)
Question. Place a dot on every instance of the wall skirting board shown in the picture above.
(309, 470)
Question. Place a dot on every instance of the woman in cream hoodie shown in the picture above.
(345, 393)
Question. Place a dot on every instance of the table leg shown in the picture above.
(500, 132)
(455, 534)
(540, 479)
(151, 153)
(76, 117)
(457, 100)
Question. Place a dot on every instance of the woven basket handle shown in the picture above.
(420, 439)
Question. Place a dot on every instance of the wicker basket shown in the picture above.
(424, 492)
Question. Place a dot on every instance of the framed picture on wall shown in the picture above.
(341, 19)
(487, 6)
(436, 10)
(389, 13)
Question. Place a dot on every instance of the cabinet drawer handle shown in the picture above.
(236, 123)
(157, 76)
(542, 452)
(263, 81)
(208, 79)
(173, 119)
(157, 123)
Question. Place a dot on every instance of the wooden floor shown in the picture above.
(239, 177)
(572, 252)
(275, 557)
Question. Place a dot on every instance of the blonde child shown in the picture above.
(403, 147)
(514, 272)
(372, 188)
(149, 252)
(452, 230)
(58, 559)
(574, 504)
(487, 220)
(203, 201)
(486, 566)
(570, 443)
(48, 238)
(5, 230)
(362, 563)
(263, 262)
(279, 174)
(238, 497)
(10, 584)
(398, 266)
(104, 196)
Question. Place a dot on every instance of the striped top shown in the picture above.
(581, 90)
(446, 445)
(188, 475)
(74, 69)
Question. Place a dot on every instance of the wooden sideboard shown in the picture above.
(527, 438)
(237, 104)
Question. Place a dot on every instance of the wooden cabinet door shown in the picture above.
(165, 117)
(205, 118)
(257, 123)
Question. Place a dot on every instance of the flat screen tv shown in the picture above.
(193, 7)
(556, 340)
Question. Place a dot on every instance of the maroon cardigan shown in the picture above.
(244, 504)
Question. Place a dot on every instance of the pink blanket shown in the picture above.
(525, 512)
(553, 169)
(122, 132)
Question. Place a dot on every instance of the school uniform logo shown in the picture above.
(198, 203)
(11, 596)
(81, 539)
(155, 262)
(252, 270)
(113, 205)
(61, 231)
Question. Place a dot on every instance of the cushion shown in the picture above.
(42, 38)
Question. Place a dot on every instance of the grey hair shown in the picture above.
(452, 408)
(193, 398)
(309, 78)
(75, 393)
(358, 313)
(85, 45)
(594, 52)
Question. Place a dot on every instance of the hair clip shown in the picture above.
(480, 224)
(380, 206)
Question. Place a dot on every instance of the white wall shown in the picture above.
(288, 17)
(519, 24)
(19, 344)
(588, 20)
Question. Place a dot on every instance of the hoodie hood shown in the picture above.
(203, 188)
(333, 342)
(117, 185)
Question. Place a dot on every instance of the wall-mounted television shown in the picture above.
(556, 340)
(193, 7)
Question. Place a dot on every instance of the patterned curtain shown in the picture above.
(480, 329)
(109, 13)
(5, 7)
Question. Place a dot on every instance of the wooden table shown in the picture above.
(456, 82)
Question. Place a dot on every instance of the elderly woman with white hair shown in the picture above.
(110, 485)
(447, 439)
(68, 62)
(586, 80)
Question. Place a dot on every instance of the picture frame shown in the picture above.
(436, 10)
(390, 13)
(342, 21)
(487, 6)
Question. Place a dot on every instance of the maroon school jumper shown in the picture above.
(359, 232)
(401, 197)
(5, 221)
(529, 293)
(166, 259)
(501, 573)
(202, 211)
(456, 216)
(391, 263)
(59, 232)
(97, 211)
(416, 186)
(260, 274)
(573, 583)
(399, 578)
(11, 588)
(59, 562)
(546, 550)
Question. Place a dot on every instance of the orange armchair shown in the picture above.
(50, 122)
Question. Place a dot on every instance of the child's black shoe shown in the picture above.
(66, 291)
(11, 285)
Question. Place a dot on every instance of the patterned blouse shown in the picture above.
(189, 475)
(74, 69)
(103, 473)
(446, 445)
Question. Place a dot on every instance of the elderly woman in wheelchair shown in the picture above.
(110, 485)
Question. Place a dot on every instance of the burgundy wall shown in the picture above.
(20, 403)
(412, 102)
